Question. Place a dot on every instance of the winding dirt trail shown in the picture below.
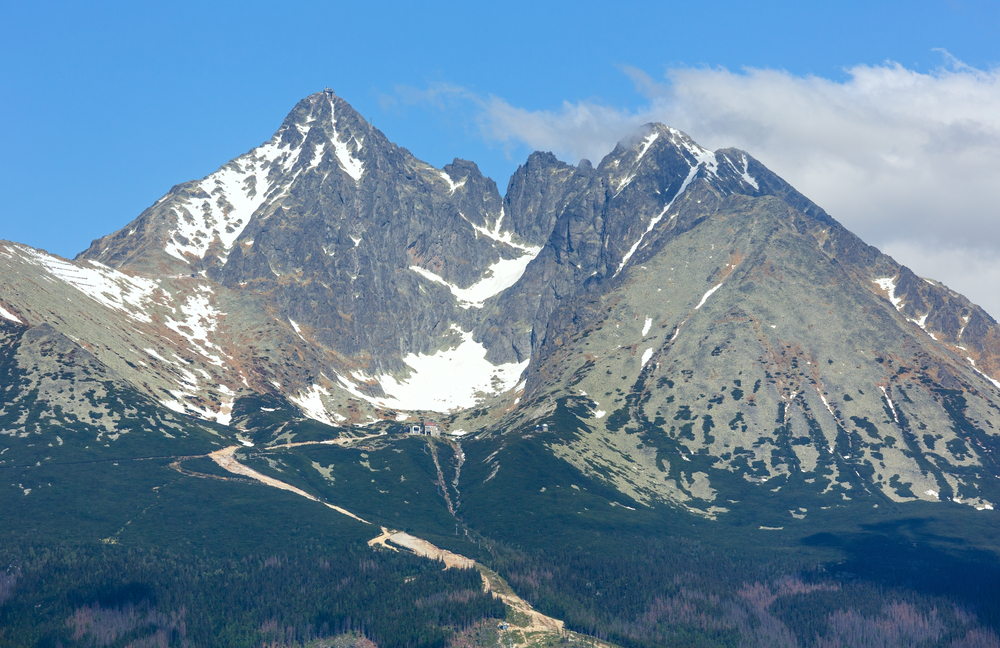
(225, 459)
(338, 441)
(537, 622)
(420, 547)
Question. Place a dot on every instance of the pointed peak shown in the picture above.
(325, 106)
(642, 139)
(669, 133)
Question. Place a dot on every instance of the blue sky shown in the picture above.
(107, 105)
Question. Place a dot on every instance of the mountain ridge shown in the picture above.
(664, 400)
(331, 268)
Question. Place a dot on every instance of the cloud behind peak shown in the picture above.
(908, 160)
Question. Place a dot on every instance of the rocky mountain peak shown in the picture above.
(197, 223)
(597, 359)
(330, 268)
(324, 123)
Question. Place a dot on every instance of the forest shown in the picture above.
(629, 591)
(642, 592)
(117, 596)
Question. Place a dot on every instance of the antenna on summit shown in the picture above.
(330, 92)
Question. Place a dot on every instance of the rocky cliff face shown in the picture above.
(746, 346)
(696, 316)
(724, 324)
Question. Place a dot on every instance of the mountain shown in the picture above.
(703, 345)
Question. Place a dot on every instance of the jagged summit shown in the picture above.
(330, 268)
(199, 220)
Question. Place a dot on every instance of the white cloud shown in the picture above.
(581, 130)
(910, 161)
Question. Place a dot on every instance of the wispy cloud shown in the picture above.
(908, 160)
(578, 130)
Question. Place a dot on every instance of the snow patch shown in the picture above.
(702, 157)
(298, 330)
(624, 183)
(199, 318)
(646, 143)
(744, 175)
(505, 237)
(498, 277)
(646, 326)
(996, 383)
(317, 155)
(646, 355)
(888, 284)
(823, 398)
(311, 404)
(106, 286)
(889, 400)
(707, 295)
(8, 315)
(220, 206)
(158, 356)
(224, 416)
(352, 165)
(444, 381)
(452, 185)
